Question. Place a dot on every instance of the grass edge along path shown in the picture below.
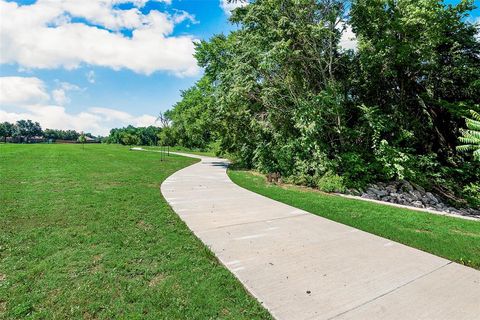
(453, 238)
(87, 234)
(181, 149)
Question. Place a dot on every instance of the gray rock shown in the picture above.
(391, 188)
(406, 186)
(415, 194)
(382, 194)
(418, 204)
(418, 187)
(356, 192)
(376, 192)
(431, 197)
(409, 194)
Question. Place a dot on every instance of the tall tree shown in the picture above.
(28, 129)
(420, 65)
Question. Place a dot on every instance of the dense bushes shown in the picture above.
(147, 136)
(279, 94)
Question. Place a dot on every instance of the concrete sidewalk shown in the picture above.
(301, 266)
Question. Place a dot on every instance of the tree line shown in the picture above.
(27, 130)
(146, 136)
(279, 94)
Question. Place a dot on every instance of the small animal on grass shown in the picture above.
(273, 177)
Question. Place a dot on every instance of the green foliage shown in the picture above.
(193, 117)
(472, 194)
(82, 138)
(280, 95)
(146, 136)
(392, 160)
(61, 134)
(7, 130)
(471, 137)
(331, 182)
(23, 130)
(166, 137)
(129, 139)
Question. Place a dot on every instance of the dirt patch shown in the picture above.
(225, 312)
(3, 277)
(468, 234)
(156, 280)
(88, 316)
(96, 261)
(3, 306)
(422, 231)
(143, 225)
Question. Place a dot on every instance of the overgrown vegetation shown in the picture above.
(86, 234)
(280, 94)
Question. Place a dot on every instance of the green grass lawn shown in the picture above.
(453, 238)
(86, 234)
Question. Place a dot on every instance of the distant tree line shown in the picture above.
(146, 136)
(29, 131)
(280, 95)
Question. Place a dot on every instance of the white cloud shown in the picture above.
(17, 90)
(112, 115)
(59, 95)
(90, 76)
(56, 117)
(348, 39)
(30, 100)
(43, 35)
(228, 7)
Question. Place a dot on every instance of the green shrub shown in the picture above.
(331, 182)
(472, 194)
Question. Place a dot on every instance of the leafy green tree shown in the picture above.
(82, 139)
(194, 117)
(7, 129)
(279, 94)
(145, 135)
(56, 134)
(166, 137)
(471, 136)
(28, 129)
(420, 66)
(129, 139)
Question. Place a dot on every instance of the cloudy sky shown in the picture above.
(91, 65)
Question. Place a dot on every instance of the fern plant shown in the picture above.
(471, 136)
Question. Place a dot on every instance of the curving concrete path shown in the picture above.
(301, 266)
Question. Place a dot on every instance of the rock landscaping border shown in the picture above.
(410, 195)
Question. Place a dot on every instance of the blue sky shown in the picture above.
(82, 82)
(97, 64)
(128, 90)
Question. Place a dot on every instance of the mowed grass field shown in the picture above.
(452, 238)
(86, 234)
